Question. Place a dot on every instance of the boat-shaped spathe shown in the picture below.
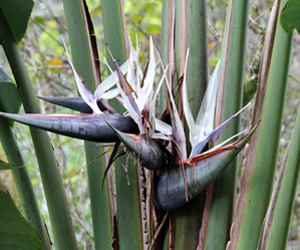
(170, 186)
(90, 127)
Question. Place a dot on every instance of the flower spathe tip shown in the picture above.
(90, 127)
(148, 152)
(77, 104)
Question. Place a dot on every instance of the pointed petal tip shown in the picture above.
(91, 127)
(240, 143)
(147, 151)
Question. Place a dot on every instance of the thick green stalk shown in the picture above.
(23, 182)
(197, 69)
(188, 218)
(128, 205)
(99, 195)
(114, 30)
(163, 48)
(188, 222)
(115, 36)
(224, 188)
(283, 207)
(164, 31)
(84, 64)
(57, 206)
(167, 44)
(167, 34)
(127, 183)
(180, 38)
(268, 142)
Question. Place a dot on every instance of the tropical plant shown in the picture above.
(156, 198)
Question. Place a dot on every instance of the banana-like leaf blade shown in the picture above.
(15, 231)
(9, 97)
(170, 186)
(290, 16)
(17, 14)
(81, 126)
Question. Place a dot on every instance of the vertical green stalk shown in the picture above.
(83, 62)
(164, 31)
(115, 36)
(167, 44)
(180, 38)
(129, 216)
(166, 25)
(57, 206)
(163, 50)
(264, 166)
(101, 213)
(115, 32)
(23, 182)
(224, 188)
(188, 218)
(283, 207)
(127, 184)
(197, 69)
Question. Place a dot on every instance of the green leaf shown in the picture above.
(220, 210)
(54, 192)
(17, 14)
(150, 6)
(79, 30)
(23, 183)
(137, 18)
(153, 29)
(277, 222)
(40, 20)
(290, 16)
(15, 232)
(6, 166)
(9, 97)
(250, 89)
(262, 165)
(127, 196)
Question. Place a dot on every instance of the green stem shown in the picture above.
(84, 64)
(167, 44)
(23, 182)
(128, 205)
(127, 183)
(101, 214)
(224, 188)
(197, 69)
(283, 208)
(57, 206)
(188, 218)
(264, 166)
(114, 30)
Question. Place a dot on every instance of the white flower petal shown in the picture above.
(85, 93)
